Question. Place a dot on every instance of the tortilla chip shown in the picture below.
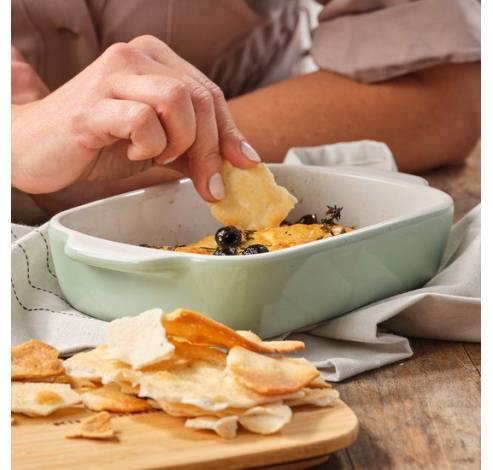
(225, 427)
(154, 404)
(201, 384)
(41, 399)
(279, 347)
(266, 419)
(139, 341)
(190, 411)
(180, 410)
(201, 330)
(97, 426)
(80, 385)
(319, 382)
(316, 397)
(195, 352)
(126, 387)
(268, 375)
(253, 201)
(198, 383)
(87, 364)
(94, 365)
(55, 379)
(34, 360)
(110, 398)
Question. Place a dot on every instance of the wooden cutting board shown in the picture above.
(155, 440)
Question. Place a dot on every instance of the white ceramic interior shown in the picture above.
(174, 214)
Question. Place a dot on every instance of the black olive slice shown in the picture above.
(228, 236)
(308, 219)
(225, 252)
(255, 249)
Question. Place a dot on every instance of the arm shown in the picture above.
(429, 118)
(136, 106)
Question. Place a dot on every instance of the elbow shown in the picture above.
(458, 99)
(448, 123)
(445, 136)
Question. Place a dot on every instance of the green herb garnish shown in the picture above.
(333, 214)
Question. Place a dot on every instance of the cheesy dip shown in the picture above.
(230, 240)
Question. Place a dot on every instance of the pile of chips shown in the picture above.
(183, 363)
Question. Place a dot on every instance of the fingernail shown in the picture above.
(249, 152)
(165, 161)
(216, 186)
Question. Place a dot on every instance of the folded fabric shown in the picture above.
(375, 40)
(447, 307)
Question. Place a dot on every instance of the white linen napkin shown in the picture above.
(39, 309)
(447, 307)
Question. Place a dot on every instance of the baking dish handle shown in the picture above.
(120, 256)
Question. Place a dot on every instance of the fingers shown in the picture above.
(233, 145)
(191, 111)
(172, 102)
(204, 159)
(111, 120)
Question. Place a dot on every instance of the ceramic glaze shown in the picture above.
(401, 224)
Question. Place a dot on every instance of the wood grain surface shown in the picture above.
(155, 440)
(424, 412)
(462, 182)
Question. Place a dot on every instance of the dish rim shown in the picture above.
(314, 246)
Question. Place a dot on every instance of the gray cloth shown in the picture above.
(448, 307)
(39, 309)
(375, 40)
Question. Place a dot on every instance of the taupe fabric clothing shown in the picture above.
(374, 40)
(245, 44)
(238, 46)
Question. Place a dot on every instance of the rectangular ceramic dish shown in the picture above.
(401, 224)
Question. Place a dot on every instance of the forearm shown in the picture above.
(18, 140)
(427, 119)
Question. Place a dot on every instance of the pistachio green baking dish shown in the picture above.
(402, 227)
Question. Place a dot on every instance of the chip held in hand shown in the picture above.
(253, 201)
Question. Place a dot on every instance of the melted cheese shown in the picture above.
(275, 238)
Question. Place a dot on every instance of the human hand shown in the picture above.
(137, 105)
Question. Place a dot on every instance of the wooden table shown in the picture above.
(423, 412)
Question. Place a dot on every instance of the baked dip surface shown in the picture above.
(230, 240)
